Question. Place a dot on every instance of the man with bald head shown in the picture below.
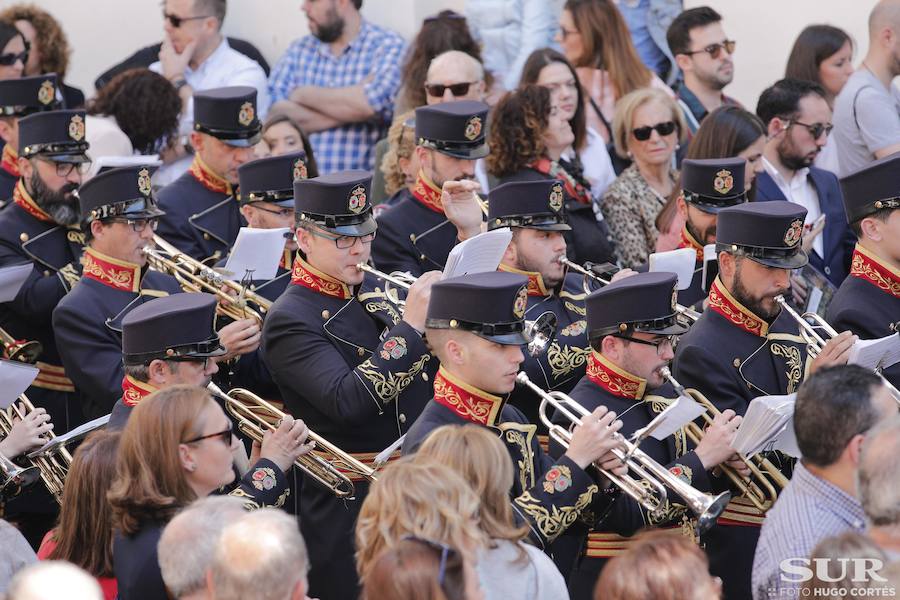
(867, 111)
(454, 75)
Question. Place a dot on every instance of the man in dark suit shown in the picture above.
(798, 119)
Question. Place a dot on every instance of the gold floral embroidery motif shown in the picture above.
(122, 279)
(521, 435)
(468, 407)
(721, 305)
(383, 306)
(794, 364)
(659, 404)
(578, 310)
(69, 275)
(554, 520)
(388, 388)
(866, 269)
(564, 360)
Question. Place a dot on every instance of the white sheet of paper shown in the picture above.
(479, 254)
(763, 423)
(681, 262)
(786, 441)
(11, 280)
(15, 377)
(815, 298)
(675, 416)
(71, 436)
(256, 250)
(880, 353)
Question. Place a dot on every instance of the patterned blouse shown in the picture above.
(630, 206)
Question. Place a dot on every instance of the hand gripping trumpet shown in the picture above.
(255, 416)
(760, 490)
(649, 481)
(816, 332)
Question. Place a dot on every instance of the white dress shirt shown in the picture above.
(800, 190)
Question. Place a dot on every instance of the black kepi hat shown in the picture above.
(766, 232)
(337, 202)
(453, 128)
(56, 134)
(536, 204)
(27, 95)
(712, 184)
(229, 114)
(873, 188)
(271, 179)
(123, 192)
(643, 303)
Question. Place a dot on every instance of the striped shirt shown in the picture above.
(372, 58)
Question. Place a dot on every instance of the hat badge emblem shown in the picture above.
(794, 233)
(724, 181)
(300, 169)
(46, 92)
(520, 302)
(357, 200)
(556, 197)
(143, 182)
(76, 128)
(246, 114)
(473, 128)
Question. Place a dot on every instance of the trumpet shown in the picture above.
(15, 478)
(20, 350)
(816, 332)
(758, 489)
(194, 276)
(649, 481)
(400, 279)
(591, 277)
(255, 416)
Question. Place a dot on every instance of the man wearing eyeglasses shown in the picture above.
(703, 53)
(633, 330)
(798, 119)
(349, 360)
(20, 98)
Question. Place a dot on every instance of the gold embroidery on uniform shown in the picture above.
(383, 306)
(579, 310)
(564, 360)
(521, 435)
(69, 275)
(553, 521)
(794, 364)
(389, 388)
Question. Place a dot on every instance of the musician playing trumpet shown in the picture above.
(633, 328)
(345, 357)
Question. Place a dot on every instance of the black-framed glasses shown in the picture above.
(176, 21)
(281, 212)
(224, 435)
(564, 33)
(64, 169)
(815, 129)
(445, 550)
(344, 242)
(436, 90)
(642, 134)
(10, 58)
(138, 225)
(715, 50)
(659, 343)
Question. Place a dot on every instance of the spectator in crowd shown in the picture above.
(399, 166)
(703, 53)
(261, 555)
(594, 38)
(841, 577)
(54, 579)
(15, 554)
(445, 31)
(588, 153)
(508, 565)
(83, 536)
(835, 410)
(798, 118)
(879, 472)
(648, 21)
(648, 129)
(823, 54)
(732, 131)
(282, 135)
(14, 52)
(660, 564)
(508, 31)
(188, 543)
(527, 138)
(416, 569)
(339, 83)
(48, 47)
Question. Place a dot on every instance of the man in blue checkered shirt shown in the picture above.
(339, 83)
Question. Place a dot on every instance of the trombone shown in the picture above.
(649, 481)
(591, 276)
(811, 324)
(194, 276)
(24, 351)
(758, 489)
(255, 416)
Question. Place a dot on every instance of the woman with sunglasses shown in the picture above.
(647, 129)
(14, 53)
(178, 446)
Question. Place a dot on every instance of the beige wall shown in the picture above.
(104, 31)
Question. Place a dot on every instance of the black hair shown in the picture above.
(782, 99)
(679, 33)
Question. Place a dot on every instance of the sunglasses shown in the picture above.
(8, 60)
(815, 129)
(176, 21)
(437, 90)
(642, 134)
(224, 435)
(715, 50)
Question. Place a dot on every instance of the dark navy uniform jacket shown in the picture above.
(136, 564)
(868, 302)
(7, 183)
(358, 376)
(200, 221)
(87, 324)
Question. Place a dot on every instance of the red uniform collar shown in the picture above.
(9, 161)
(688, 241)
(722, 302)
(536, 285)
(427, 193)
(208, 178)
(27, 203)
(111, 272)
(308, 276)
(467, 402)
(616, 381)
(133, 391)
(871, 268)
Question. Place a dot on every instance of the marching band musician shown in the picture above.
(744, 346)
(345, 357)
(416, 233)
(869, 300)
(202, 213)
(633, 329)
(118, 216)
(476, 327)
(20, 98)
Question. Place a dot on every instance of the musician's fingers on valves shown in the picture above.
(595, 438)
(715, 447)
(286, 443)
(836, 351)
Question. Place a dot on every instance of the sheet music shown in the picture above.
(880, 353)
(15, 377)
(765, 423)
(680, 261)
(71, 436)
(674, 417)
(12, 279)
(479, 254)
(258, 251)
